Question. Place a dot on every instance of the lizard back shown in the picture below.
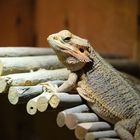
(114, 99)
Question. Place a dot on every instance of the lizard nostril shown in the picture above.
(81, 50)
(55, 38)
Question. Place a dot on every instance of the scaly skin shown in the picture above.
(108, 94)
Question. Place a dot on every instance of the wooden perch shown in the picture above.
(125, 65)
(10, 65)
(32, 78)
(101, 134)
(62, 115)
(73, 119)
(24, 51)
(31, 106)
(65, 100)
(21, 94)
(83, 128)
(109, 139)
(43, 101)
(57, 82)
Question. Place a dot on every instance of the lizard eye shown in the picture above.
(66, 35)
(81, 50)
(67, 38)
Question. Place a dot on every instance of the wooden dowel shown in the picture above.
(21, 94)
(83, 128)
(1, 67)
(4, 85)
(65, 100)
(109, 139)
(73, 119)
(24, 51)
(57, 82)
(125, 65)
(101, 134)
(62, 115)
(43, 101)
(31, 106)
(32, 78)
(12, 65)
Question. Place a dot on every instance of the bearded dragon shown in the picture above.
(108, 94)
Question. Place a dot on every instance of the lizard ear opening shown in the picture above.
(81, 50)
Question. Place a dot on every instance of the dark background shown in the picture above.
(112, 26)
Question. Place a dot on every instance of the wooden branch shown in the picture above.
(43, 101)
(73, 119)
(10, 65)
(31, 106)
(32, 78)
(101, 134)
(22, 94)
(125, 65)
(24, 51)
(4, 86)
(83, 128)
(62, 115)
(109, 139)
(56, 82)
(65, 100)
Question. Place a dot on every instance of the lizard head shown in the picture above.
(71, 50)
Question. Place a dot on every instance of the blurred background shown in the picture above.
(112, 27)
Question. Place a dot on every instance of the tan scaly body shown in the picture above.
(106, 91)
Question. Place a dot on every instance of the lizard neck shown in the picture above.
(96, 63)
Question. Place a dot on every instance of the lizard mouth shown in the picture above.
(76, 51)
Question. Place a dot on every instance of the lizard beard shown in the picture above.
(74, 64)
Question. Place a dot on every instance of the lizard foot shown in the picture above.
(125, 128)
(69, 84)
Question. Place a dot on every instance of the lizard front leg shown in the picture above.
(69, 84)
(137, 132)
(125, 128)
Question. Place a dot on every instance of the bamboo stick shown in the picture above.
(12, 65)
(73, 119)
(24, 51)
(62, 115)
(83, 128)
(65, 100)
(32, 78)
(101, 134)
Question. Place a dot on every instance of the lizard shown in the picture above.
(106, 91)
